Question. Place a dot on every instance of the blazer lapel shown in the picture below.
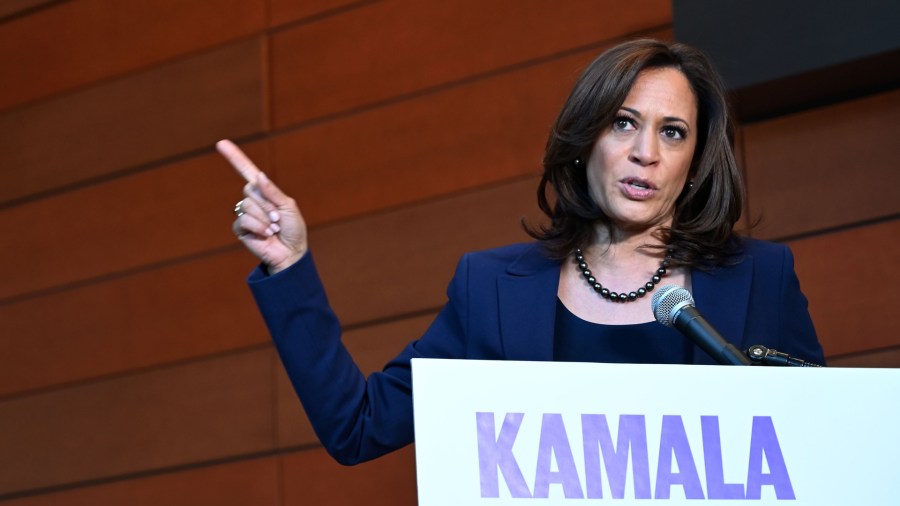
(722, 296)
(527, 298)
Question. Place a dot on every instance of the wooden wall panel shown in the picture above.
(183, 311)
(174, 211)
(455, 140)
(397, 47)
(371, 347)
(879, 358)
(311, 477)
(823, 168)
(79, 42)
(195, 412)
(248, 482)
(286, 11)
(12, 7)
(849, 279)
(184, 106)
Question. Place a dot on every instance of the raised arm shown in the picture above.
(356, 420)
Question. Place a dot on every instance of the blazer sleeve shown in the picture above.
(798, 335)
(356, 418)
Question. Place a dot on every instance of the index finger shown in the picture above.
(245, 167)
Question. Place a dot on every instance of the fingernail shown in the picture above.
(275, 228)
(274, 216)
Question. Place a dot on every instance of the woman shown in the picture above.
(647, 188)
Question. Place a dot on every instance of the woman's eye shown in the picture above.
(673, 132)
(623, 123)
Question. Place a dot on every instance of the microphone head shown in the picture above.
(668, 301)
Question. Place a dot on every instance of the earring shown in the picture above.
(577, 162)
(687, 188)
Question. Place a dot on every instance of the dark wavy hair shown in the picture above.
(702, 233)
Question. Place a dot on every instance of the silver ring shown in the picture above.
(239, 208)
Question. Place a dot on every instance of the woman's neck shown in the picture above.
(616, 248)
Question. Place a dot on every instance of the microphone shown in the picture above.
(673, 306)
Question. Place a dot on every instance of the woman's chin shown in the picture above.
(633, 224)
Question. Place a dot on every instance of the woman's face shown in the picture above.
(640, 163)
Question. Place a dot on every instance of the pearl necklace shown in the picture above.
(619, 297)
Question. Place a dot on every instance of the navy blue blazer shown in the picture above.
(501, 306)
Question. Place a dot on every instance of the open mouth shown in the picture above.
(638, 184)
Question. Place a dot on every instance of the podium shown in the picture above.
(519, 433)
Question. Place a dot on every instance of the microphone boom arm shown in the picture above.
(759, 354)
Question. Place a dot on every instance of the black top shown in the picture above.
(578, 340)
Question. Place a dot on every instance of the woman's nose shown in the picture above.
(645, 150)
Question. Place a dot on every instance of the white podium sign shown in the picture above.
(520, 433)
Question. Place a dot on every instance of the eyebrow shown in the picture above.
(667, 118)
